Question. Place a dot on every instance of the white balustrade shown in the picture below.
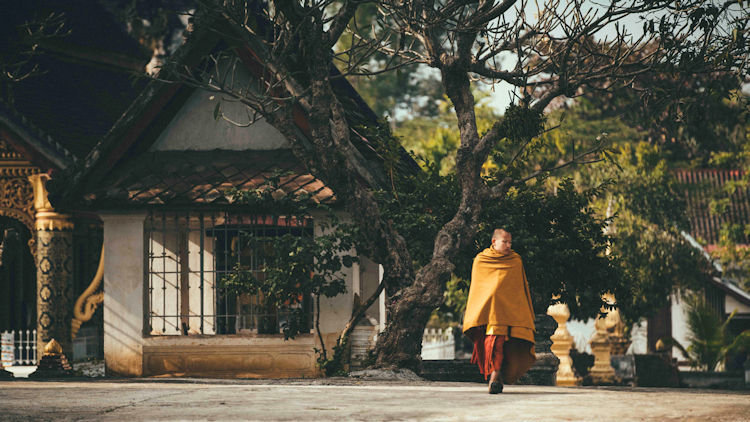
(18, 348)
(438, 343)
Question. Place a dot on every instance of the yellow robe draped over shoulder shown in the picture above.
(500, 303)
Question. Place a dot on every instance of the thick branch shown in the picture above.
(340, 21)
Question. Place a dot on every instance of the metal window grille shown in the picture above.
(189, 253)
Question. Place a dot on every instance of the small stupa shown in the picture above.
(54, 364)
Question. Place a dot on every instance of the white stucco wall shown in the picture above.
(731, 304)
(123, 293)
(335, 312)
(369, 280)
(680, 330)
(194, 128)
(130, 351)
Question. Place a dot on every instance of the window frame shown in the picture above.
(181, 225)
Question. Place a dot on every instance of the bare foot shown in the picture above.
(496, 383)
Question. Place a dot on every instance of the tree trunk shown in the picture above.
(400, 345)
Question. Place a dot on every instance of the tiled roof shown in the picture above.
(188, 178)
(47, 149)
(75, 103)
(119, 151)
(701, 187)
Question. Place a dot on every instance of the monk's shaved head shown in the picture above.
(502, 241)
(499, 233)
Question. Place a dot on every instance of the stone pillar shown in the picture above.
(562, 342)
(602, 372)
(618, 340)
(54, 263)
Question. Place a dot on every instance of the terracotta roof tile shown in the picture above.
(702, 186)
(202, 177)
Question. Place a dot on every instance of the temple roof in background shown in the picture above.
(703, 186)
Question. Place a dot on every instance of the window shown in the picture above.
(190, 253)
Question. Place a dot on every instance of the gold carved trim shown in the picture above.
(88, 301)
(8, 153)
(53, 348)
(46, 217)
(19, 215)
(17, 200)
(12, 170)
(41, 203)
(50, 220)
(13, 163)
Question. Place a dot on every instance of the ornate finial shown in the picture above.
(53, 348)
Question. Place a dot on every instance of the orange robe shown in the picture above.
(499, 304)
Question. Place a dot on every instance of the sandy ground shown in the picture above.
(346, 399)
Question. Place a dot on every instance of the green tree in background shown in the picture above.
(554, 53)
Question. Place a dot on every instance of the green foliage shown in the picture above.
(399, 94)
(643, 185)
(733, 255)
(562, 242)
(423, 203)
(694, 118)
(559, 236)
(435, 138)
(269, 199)
(655, 262)
(292, 266)
(333, 366)
(521, 123)
(711, 343)
(456, 296)
(642, 197)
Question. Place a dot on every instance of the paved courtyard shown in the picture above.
(352, 400)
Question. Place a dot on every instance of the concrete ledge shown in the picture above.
(723, 380)
(230, 357)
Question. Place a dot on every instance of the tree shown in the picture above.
(554, 52)
(644, 201)
(23, 44)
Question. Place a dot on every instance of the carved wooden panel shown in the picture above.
(16, 192)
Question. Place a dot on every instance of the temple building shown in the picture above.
(68, 86)
(119, 191)
(115, 219)
(724, 293)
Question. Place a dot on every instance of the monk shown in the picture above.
(499, 317)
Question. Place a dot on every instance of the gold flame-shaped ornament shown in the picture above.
(53, 348)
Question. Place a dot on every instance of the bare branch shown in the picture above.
(579, 159)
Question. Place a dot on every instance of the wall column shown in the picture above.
(54, 263)
(124, 293)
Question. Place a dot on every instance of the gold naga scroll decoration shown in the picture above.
(89, 300)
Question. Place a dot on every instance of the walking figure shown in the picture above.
(499, 317)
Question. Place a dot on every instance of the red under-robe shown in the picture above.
(488, 353)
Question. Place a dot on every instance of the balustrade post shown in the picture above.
(562, 342)
(602, 372)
